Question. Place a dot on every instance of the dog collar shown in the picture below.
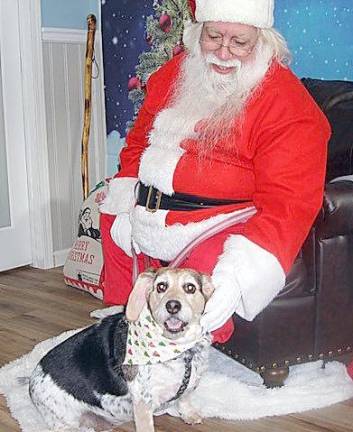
(146, 344)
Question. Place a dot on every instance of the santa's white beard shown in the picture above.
(218, 87)
(207, 105)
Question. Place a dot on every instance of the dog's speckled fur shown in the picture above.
(81, 384)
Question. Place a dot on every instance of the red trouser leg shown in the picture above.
(117, 268)
(116, 277)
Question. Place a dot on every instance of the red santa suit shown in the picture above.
(277, 162)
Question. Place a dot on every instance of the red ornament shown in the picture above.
(177, 49)
(149, 40)
(134, 83)
(165, 22)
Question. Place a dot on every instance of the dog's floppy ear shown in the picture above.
(138, 295)
(207, 286)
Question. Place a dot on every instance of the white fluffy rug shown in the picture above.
(234, 394)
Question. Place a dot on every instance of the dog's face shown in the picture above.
(176, 298)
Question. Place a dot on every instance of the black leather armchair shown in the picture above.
(312, 317)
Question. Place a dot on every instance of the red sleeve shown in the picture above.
(136, 142)
(158, 91)
(289, 165)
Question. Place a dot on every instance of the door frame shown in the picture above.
(30, 29)
(15, 235)
(35, 125)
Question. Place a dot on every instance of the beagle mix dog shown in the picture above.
(130, 366)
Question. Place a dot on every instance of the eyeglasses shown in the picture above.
(240, 49)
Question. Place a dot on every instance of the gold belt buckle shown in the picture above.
(158, 200)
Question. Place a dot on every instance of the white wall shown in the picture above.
(64, 59)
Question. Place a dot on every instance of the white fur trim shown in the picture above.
(158, 166)
(120, 197)
(256, 271)
(258, 13)
(161, 157)
(157, 240)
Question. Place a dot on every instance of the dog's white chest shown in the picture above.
(160, 383)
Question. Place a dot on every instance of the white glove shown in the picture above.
(121, 233)
(221, 305)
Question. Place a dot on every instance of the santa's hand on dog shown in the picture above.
(222, 304)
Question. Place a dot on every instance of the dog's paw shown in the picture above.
(103, 313)
(192, 418)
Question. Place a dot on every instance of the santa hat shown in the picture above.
(258, 13)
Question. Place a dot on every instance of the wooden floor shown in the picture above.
(36, 305)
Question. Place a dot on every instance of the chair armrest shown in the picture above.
(336, 216)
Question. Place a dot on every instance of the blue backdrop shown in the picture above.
(123, 26)
(318, 33)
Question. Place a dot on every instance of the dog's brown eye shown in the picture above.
(189, 288)
(161, 287)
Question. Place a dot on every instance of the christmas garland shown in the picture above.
(164, 32)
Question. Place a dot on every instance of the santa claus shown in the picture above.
(225, 127)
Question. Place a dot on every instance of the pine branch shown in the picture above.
(162, 43)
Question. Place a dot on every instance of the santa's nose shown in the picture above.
(223, 53)
(173, 306)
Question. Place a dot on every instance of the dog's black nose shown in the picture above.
(173, 306)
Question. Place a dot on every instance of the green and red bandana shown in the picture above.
(147, 345)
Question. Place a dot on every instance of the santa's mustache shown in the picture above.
(211, 58)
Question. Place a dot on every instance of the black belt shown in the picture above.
(153, 200)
